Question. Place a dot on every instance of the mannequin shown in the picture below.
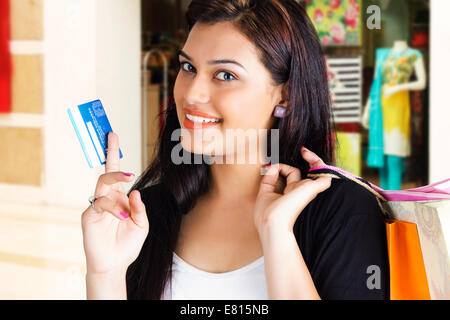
(389, 99)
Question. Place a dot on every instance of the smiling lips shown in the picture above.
(199, 120)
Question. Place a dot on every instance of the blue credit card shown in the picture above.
(92, 127)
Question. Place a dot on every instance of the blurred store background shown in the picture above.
(64, 53)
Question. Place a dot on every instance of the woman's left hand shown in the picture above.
(278, 212)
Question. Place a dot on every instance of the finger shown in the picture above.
(312, 158)
(269, 180)
(138, 211)
(322, 183)
(292, 174)
(106, 205)
(112, 154)
(307, 191)
(110, 178)
(315, 186)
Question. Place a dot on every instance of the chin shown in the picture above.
(197, 148)
(199, 143)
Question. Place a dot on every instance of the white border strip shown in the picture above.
(19, 193)
(346, 120)
(356, 59)
(343, 112)
(97, 145)
(26, 47)
(83, 134)
(25, 120)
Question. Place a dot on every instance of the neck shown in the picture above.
(400, 45)
(239, 180)
(234, 182)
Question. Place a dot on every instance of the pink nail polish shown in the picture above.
(128, 174)
(123, 214)
(267, 165)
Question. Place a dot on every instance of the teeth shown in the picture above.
(200, 119)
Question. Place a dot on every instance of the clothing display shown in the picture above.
(391, 173)
(397, 69)
(375, 154)
(390, 116)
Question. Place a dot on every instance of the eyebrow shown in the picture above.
(219, 61)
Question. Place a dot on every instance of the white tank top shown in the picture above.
(191, 283)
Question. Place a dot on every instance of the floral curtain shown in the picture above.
(337, 21)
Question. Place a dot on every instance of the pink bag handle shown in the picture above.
(436, 191)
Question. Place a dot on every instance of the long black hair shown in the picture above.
(290, 49)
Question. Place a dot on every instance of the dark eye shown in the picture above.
(189, 67)
(227, 76)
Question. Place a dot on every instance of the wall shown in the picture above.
(21, 131)
(93, 50)
(439, 100)
(66, 53)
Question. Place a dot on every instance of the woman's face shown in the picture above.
(222, 79)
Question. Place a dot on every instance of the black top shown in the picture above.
(342, 236)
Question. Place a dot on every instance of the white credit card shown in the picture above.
(92, 127)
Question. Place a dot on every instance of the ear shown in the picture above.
(281, 94)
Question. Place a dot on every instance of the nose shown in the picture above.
(197, 91)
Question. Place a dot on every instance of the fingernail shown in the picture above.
(267, 165)
(271, 170)
(128, 174)
(124, 215)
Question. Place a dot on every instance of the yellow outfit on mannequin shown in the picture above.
(397, 69)
(396, 126)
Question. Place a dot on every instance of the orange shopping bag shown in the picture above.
(410, 274)
(408, 278)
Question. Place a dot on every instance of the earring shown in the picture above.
(279, 112)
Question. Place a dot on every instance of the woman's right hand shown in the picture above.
(113, 233)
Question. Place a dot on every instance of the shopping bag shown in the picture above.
(406, 265)
(417, 221)
(431, 218)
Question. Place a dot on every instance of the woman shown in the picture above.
(221, 230)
